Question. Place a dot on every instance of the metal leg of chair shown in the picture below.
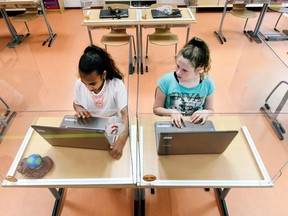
(275, 27)
(176, 49)
(28, 30)
(146, 56)
(245, 32)
(106, 47)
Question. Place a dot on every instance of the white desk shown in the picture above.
(239, 166)
(74, 167)
(92, 21)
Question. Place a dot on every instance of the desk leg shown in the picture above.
(52, 36)
(58, 196)
(17, 39)
(254, 34)
(140, 69)
(221, 194)
(219, 34)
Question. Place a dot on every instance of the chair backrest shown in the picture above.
(120, 6)
(162, 4)
(239, 7)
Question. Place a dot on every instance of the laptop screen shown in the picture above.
(158, 14)
(114, 13)
(192, 139)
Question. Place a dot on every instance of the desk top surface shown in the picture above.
(72, 166)
(136, 17)
(238, 165)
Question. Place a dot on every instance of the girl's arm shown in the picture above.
(116, 149)
(158, 108)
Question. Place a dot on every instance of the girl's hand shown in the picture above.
(81, 112)
(200, 116)
(178, 119)
(116, 149)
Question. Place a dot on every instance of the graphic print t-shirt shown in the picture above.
(185, 100)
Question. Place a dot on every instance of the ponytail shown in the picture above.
(95, 59)
(198, 53)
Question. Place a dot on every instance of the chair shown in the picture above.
(161, 36)
(119, 37)
(280, 9)
(28, 15)
(239, 10)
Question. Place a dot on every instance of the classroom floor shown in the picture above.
(34, 78)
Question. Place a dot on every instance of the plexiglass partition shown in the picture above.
(43, 97)
(240, 95)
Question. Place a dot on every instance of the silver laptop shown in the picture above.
(192, 139)
(76, 138)
(95, 123)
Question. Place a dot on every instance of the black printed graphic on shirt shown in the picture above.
(187, 104)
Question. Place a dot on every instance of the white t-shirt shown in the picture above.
(109, 101)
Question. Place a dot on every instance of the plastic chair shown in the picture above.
(239, 10)
(161, 36)
(119, 37)
(30, 14)
(280, 9)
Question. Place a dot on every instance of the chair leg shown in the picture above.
(176, 49)
(28, 30)
(146, 57)
(245, 25)
(105, 47)
(275, 27)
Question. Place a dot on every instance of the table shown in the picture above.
(92, 21)
(239, 166)
(104, 171)
(16, 38)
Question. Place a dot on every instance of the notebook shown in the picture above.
(76, 138)
(114, 13)
(158, 14)
(192, 139)
(95, 123)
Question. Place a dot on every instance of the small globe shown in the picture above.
(34, 161)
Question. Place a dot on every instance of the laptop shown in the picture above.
(114, 13)
(158, 14)
(192, 139)
(75, 138)
(96, 123)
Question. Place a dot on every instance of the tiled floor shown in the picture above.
(35, 78)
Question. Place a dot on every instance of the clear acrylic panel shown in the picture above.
(239, 94)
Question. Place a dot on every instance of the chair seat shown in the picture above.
(246, 14)
(163, 40)
(116, 40)
(29, 15)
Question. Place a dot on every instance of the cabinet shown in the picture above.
(54, 5)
